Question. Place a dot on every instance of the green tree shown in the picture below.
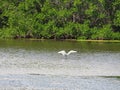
(60, 19)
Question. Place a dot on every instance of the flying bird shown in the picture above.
(66, 54)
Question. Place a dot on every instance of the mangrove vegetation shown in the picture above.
(60, 19)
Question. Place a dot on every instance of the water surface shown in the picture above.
(34, 59)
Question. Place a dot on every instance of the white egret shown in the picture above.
(66, 54)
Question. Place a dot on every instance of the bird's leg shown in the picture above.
(65, 56)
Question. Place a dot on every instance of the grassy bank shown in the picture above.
(99, 40)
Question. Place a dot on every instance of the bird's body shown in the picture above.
(66, 54)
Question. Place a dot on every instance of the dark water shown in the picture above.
(35, 64)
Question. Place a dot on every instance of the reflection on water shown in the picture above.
(53, 63)
(41, 57)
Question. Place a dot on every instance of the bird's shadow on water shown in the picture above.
(71, 58)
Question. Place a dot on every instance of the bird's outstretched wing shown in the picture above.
(71, 51)
(62, 52)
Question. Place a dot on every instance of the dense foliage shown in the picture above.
(60, 19)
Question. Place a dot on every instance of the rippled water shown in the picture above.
(38, 62)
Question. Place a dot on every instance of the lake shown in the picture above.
(36, 65)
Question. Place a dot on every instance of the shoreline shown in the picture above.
(99, 40)
(78, 40)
